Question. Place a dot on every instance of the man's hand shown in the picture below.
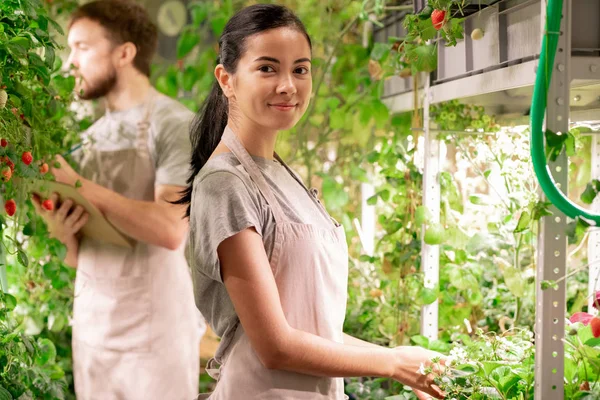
(65, 174)
(65, 221)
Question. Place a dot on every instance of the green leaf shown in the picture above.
(514, 281)
(186, 43)
(423, 58)
(372, 200)
(434, 234)
(427, 296)
(477, 199)
(523, 223)
(29, 230)
(590, 192)
(420, 340)
(439, 346)
(218, 23)
(5, 394)
(19, 46)
(554, 144)
(385, 195)
(593, 342)
(317, 120)
(22, 257)
(190, 77)
(337, 119)
(422, 215)
(49, 57)
(333, 193)
(10, 302)
(570, 144)
(199, 11)
(380, 51)
(460, 277)
(57, 322)
(381, 113)
(56, 26)
(46, 351)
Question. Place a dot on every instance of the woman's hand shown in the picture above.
(412, 361)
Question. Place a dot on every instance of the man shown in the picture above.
(136, 329)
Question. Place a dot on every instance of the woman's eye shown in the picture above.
(266, 68)
(302, 70)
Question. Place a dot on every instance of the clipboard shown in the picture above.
(97, 226)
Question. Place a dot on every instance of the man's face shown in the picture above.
(93, 59)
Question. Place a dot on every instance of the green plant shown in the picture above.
(28, 367)
(35, 117)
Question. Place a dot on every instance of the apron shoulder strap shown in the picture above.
(143, 125)
(239, 151)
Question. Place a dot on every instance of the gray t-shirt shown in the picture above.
(168, 136)
(225, 201)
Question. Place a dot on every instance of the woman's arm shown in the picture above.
(250, 283)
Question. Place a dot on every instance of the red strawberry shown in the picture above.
(44, 168)
(6, 173)
(10, 207)
(48, 205)
(437, 18)
(3, 142)
(595, 324)
(9, 162)
(27, 158)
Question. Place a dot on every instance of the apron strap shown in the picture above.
(144, 126)
(239, 151)
(311, 192)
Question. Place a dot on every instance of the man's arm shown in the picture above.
(155, 222)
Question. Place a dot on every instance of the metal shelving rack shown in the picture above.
(498, 72)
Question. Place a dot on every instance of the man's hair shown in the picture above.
(124, 21)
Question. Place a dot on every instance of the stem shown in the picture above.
(466, 153)
(398, 8)
(517, 311)
(576, 270)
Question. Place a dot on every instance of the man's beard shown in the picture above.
(101, 88)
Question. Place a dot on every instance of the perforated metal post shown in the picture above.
(552, 241)
(430, 255)
(594, 236)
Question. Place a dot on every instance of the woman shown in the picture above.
(269, 264)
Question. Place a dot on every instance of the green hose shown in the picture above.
(538, 109)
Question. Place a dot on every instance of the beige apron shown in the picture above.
(310, 265)
(136, 329)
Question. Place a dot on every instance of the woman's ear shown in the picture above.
(225, 80)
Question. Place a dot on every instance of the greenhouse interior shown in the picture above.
(299, 199)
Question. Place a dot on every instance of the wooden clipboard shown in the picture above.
(97, 227)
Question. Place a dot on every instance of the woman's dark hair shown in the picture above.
(210, 122)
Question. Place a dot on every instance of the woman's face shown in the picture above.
(272, 85)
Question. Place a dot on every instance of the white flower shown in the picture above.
(421, 369)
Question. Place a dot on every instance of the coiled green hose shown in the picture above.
(538, 109)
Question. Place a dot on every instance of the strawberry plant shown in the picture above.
(35, 124)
